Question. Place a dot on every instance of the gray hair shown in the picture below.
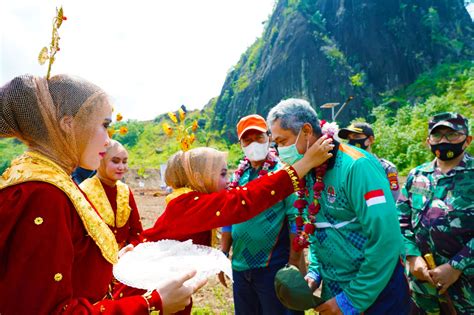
(293, 114)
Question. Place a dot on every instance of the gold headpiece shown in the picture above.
(48, 54)
(184, 135)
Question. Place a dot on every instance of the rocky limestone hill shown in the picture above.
(327, 50)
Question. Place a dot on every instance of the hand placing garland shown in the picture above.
(306, 228)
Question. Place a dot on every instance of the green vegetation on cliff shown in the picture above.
(401, 134)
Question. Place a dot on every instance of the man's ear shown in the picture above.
(371, 140)
(427, 142)
(66, 123)
(307, 129)
(468, 142)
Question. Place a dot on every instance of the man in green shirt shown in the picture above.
(261, 245)
(436, 213)
(355, 249)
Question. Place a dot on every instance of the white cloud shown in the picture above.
(150, 56)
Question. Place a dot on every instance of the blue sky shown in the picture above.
(149, 56)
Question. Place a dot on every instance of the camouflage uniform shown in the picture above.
(436, 213)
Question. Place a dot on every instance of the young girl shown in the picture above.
(200, 201)
(112, 198)
(56, 253)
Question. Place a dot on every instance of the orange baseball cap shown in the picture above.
(251, 122)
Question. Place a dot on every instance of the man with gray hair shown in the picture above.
(355, 240)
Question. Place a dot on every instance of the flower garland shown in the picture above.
(306, 228)
(270, 162)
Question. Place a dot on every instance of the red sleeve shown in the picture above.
(196, 212)
(46, 258)
(136, 229)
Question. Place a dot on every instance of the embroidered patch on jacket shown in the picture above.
(374, 197)
(331, 194)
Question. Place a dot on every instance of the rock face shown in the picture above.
(327, 50)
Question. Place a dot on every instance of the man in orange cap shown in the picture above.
(260, 246)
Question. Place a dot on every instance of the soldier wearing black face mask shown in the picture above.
(361, 135)
(449, 137)
(436, 207)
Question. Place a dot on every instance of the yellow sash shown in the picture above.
(96, 194)
(176, 193)
(32, 166)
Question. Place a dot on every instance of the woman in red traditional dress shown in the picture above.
(199, 201)
(56, 253)
(112, 198)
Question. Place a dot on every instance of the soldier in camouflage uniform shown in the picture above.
(436, 213)
(361, 135)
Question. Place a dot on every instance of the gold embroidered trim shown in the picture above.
(294, 177)
(33, 166)
(178, 192)
(96, 194)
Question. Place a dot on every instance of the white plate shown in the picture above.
(150, 264)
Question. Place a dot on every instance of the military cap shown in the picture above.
(451, 120)
(359, 127)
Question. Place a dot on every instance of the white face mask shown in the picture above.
(256, 151)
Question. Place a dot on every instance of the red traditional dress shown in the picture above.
(56, 253)
(190, 213)
(117, 208)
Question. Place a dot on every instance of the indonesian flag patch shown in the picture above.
(374, 197)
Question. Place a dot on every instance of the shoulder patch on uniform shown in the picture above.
(353, 153)
(393, 179)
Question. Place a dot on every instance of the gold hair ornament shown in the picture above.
(49, 54)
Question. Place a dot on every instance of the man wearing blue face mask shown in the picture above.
(355, 243)
(361, 135)
(261, 245)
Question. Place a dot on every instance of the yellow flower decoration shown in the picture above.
(167, 129)
(184, 144)
(123, 130)
(184, 135)
(49, 54)
(173, 117)
(182, 114)
(111, 132)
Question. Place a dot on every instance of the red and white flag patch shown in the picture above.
(374, 197)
